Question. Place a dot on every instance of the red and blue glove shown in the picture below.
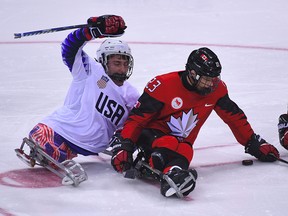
(106, 26)
(122, 151)
(262, 150)
(283, 130)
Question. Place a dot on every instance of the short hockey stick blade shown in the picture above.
(131, 173)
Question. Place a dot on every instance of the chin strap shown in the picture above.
(185, 82)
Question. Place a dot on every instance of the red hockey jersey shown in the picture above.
(168, 106)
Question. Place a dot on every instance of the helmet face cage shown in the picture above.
(115, 47)
(208, 90)
(104, 62)
(201, 79)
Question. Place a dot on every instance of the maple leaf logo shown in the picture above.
(183, 125)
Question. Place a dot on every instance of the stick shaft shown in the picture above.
(282, 160)
(278, 159)
(45, 31)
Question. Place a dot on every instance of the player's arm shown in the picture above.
(236, 119)
(146, 108)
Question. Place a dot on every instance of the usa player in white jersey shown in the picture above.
(99, 98)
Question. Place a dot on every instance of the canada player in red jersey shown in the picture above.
(169, 114)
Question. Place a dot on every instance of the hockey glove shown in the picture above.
(122, 151)
(260, 149)
(283, 130)
(106, 26)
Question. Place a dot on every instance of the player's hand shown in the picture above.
(262, 150)
(122, 151)
(106, 26)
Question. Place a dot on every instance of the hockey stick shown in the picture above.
(278, 159)
(45, 31)
(282, 160)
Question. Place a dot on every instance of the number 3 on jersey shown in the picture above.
(153, 84)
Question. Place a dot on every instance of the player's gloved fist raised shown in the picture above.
(262, 150)
(283, 130)
(106, 26)
(122, 151)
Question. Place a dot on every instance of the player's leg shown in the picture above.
(173, 158)
(50, 150)
(51, 142)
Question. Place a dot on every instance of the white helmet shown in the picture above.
(109, 47)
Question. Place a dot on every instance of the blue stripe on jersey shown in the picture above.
(71, 45)
(85, 61)
(79, 150)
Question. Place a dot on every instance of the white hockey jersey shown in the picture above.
(94, 106)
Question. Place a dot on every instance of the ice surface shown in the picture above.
(250, 38)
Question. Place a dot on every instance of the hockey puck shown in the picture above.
(247, 162)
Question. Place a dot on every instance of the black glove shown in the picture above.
(122, 151)
(262, 150)
(283, 130)
(106, 26)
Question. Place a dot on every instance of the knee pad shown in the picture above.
(52, 143)
(185, 150)
(158, 160)
(41, 134)
(169, 142)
